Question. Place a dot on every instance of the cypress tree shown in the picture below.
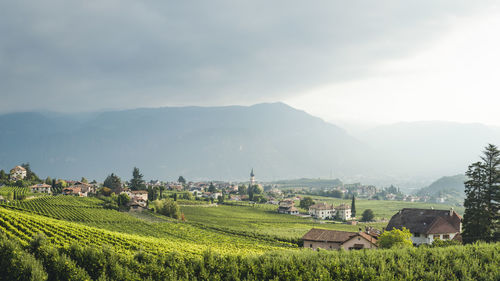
(353, 207)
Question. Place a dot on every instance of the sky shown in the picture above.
(352, 61)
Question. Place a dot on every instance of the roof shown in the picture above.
(343, 207)
(288, 208)
(73, 189)
(325, 235)
(139, 192)
(19, 168)
(426, 221)
(321, 206)
(40, 185)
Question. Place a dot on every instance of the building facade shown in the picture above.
(428, 225)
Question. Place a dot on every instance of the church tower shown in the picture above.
(252, 178)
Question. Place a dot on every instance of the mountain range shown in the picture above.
(224, 143)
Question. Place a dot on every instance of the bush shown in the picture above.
(167, 208)
(395, 238)
(367, 215)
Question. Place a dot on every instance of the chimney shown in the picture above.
(451, 212)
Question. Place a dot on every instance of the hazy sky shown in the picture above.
(368, 61)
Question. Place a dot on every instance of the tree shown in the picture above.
(306, 202)
(242, 189)
(212, 188)
(162, 188)
(84, 180)
(395, 238)
(30, 175)
(137, 183)
(353, 207)
(167, 208)
(220, 199)
(105, 191)
(482, 203)
(48, 180)
(113, 182)
(367, 215)
(181, 179)
(336, 193)
(123, 201)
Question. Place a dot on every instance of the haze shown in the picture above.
(382, 62)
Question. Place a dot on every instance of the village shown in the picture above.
(425, 225)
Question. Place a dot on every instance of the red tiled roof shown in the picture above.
(326, 235)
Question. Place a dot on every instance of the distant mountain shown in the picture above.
(429, 149)
(197, 142)
(450, 188)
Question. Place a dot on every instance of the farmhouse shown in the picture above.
(85, 188)
(427, 225)
(287, 207)
(75, 191)
(322, 211)
(141, 195)
(343, 211)
(336, 240)
(17, 173)
(41, 188)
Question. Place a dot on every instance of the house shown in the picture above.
(41, 188)
(427, 225)
(322, 211)
(85, 188)
(137, 207)
(287, 207)
(343, 211)
(17, 173)
(75, 191)
(140, 194)
(336, 240)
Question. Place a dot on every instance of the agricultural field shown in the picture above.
(384, 209)
(72, 238)
(260, 220)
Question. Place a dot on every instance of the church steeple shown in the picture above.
(252, 174)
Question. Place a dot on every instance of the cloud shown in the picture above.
(88, 55)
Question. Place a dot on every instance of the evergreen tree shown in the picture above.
(114, 183)
(491, 160)
(212, 188)
(481, 219)
(137, 183)
(353, 207)
(181, 180)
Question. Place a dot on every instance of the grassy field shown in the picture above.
(385, 209)
(260, 220)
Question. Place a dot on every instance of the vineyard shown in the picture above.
(16, 191)
(39, 259)
(261, 220)
(151, 237)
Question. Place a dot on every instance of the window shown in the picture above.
(416, 234)
(436, 236)
(310, 245)
(446, 236)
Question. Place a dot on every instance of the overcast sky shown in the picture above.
(363, 61)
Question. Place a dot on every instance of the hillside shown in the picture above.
(196, 142)
(451, 189)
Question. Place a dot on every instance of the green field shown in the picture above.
(260, 220)
(384, 209)
(84, 241)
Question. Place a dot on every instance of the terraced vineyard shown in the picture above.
(170, 237)
(69, 208)
(15, 190)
